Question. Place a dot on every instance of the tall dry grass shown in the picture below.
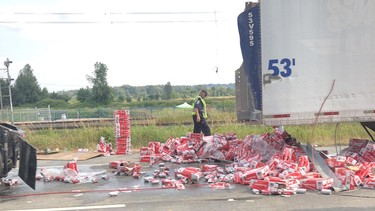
(180, 122)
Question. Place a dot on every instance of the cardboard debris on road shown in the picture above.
(8, 181)
(69, 174)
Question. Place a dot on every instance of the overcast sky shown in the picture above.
(143, 42)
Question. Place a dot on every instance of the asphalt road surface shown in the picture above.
(135, 194)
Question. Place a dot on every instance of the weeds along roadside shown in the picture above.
(141, 135)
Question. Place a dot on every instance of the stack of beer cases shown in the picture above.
(122, 131)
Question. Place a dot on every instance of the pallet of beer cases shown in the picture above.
(122, 131)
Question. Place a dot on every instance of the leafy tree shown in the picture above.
(101, 92)
(128, 99)
(56, 96)
(84, 95)
(153, 92)
(44, 93)
(26, 87)
(121, 98)
(168, 91)
(213, 91)
(4, 86)
(54, 103)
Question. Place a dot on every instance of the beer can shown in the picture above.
(255, 191)
(301, 190)
(326, 191)
(288, 192)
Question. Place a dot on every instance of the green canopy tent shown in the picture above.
(184, 105)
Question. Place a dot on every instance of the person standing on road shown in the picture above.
(200, 114)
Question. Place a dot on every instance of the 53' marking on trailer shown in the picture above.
(281, 67)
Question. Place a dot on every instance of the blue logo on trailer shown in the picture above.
(249, 30)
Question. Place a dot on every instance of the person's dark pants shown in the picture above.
(201, 126)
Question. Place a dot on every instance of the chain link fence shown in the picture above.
(50, 114)
(139, 113)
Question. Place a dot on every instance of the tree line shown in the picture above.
(26, 91)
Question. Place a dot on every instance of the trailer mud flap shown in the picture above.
(322, 167)
(28, 164)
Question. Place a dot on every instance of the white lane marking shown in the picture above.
(77, 208)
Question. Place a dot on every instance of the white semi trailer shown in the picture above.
(307, 61)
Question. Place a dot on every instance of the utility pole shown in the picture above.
(1, 94)
(6, 63)
(1, 100)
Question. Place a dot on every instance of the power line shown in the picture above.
(109, 13)
(90, 18)
(111, 22)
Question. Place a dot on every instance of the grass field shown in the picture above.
(325, 135)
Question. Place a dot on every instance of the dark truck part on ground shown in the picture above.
(14, 148)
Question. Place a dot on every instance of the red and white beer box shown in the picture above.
(355, 145)
(312, 175)
(273, 173)
(188, 154)
(145, 158)
(369, 182)
(155, 147)
(145, 151)
(237, 177)
(368, 156)
(317, 183)
(242, 169)
(370, 147)
(149, 158)
(189, 172)
(273, 162)
(334, 162)
(300, 174)
(263, 185)
(284, 183)
(286, 153)
(350, 160)
(258, 173)
(114, 164)
(297, 153)
(364, 170)
(304, 163)
(181, 148)
(166, 150)
(195, 135)
(346, 177)
(350, 156)
(255, 164)
(287, 165)
(208, 168)
(170, 142)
